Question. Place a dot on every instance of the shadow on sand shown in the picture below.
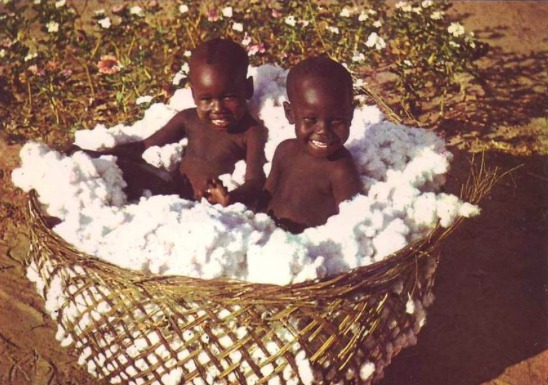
(491, 291)
(511, 90)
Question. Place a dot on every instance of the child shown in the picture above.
(313, 173)
(219, 129)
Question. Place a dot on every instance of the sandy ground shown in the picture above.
(489, 323)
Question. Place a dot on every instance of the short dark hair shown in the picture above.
(224, 52)
(319, 66)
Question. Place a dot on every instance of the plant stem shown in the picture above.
(90, 83)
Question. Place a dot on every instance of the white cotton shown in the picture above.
(424, 212)
(236, 179)
(468, 210)
(391, 239)
(277, 261)
(401, 168)
(447, 207)
(99, 138)
(181, 99)
(167, 156)
(409, 305)
(367, 370)
(305, 370)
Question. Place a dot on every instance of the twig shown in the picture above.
(534, 175)
(6, 339)
(90, 83)
(318, 32)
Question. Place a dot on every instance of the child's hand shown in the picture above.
(217, 193)
(70, 149)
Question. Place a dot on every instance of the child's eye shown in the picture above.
(206, 100)
(310, 120)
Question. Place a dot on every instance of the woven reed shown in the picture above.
(130, 327)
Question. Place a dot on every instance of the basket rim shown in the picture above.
(378, 276)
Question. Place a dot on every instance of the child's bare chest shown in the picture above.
(306, 178)
(216, 147)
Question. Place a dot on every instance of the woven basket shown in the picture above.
(132, 328)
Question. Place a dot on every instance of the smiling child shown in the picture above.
(312, 173)
(219, 129)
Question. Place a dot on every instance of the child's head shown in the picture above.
(320, 104)
(219, 82)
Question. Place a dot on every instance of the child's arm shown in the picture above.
(271, 183)
(173, 131)
(254, 173)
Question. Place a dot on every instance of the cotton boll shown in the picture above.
(276, 262)
(422, 169)
(269, 83)
(410, 305)
(424, 211)
(156, 116)
(468, 210)
(33, 275)
(96, 139)
(367, 370)
(305, 370)
(21, 178)
(86, 167)
(55, 297)
(167, 156)
(403, 196)
(238, 175)
(363, 118)
(391, 239)
(237, 178)
(60, 334)
(92, 368)
(315, 270)
(33, 150)
(182, 99)
(278, 128)
(447, 208)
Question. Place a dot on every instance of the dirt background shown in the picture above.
(489, 323)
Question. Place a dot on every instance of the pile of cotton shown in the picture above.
(402, 170)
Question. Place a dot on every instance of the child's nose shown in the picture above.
(322, 126)
(217, 105)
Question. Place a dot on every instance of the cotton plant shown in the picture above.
(420, 43)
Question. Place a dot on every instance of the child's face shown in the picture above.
(322, 116)
(220, 95)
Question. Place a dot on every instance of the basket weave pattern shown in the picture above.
(133, 328)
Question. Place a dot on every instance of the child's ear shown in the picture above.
(289, 112)
(249, 87)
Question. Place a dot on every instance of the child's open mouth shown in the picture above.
(220, 121)
(319, 144)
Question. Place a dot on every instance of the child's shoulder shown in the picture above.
(188, 114)
(286, 148)
(256, 128)
(342, 164)
(252, 131)
(342, 158)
